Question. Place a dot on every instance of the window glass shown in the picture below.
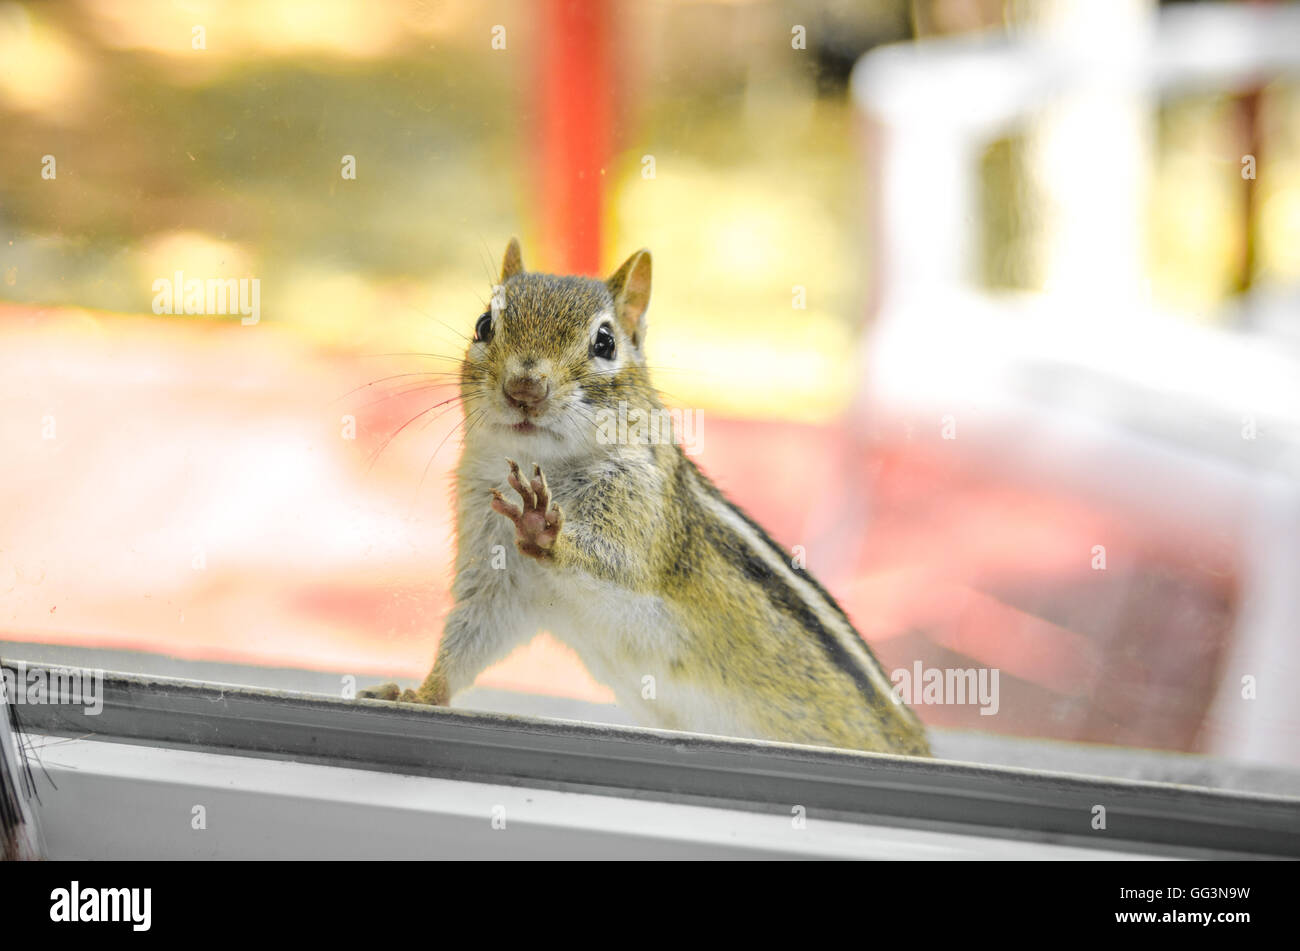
(987, 316)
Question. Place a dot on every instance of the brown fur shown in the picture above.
(644, 524)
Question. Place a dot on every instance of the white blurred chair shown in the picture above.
(1086, 386)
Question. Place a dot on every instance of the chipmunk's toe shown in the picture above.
(388, 691)
(521, 485)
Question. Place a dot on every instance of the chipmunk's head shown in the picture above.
(550, 352)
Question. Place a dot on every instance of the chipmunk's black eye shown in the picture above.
(483, 329)
(603, 346)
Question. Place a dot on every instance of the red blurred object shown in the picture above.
(576, 94)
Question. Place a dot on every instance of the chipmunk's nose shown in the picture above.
(527, 391)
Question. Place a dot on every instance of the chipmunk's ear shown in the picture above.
(630, 287)
(514, 261)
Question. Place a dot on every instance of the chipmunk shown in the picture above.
(669, 593)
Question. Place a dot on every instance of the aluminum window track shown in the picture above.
(1162, 819)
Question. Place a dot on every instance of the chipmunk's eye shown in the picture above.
(483, 329)
(603, 346)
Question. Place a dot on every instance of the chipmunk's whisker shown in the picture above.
(487, 262)
(439, 321)
(375, 456)
(425, 473)
(598, 374)
(407, 391)
(385, 379)
(417, 353)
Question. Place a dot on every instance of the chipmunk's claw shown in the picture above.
(538, 523)
(389, 691)
(520, 484)
(500, 505)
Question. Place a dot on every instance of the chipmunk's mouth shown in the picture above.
(526, 421)
(525, 427)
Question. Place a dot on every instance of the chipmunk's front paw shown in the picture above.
(432, 692)
(389, 691)
(537, 524)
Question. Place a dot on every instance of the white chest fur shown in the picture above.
(627, 640)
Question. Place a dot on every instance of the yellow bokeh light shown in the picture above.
(41, 69)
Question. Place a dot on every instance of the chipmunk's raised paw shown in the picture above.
(538, 522)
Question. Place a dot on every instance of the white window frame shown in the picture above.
(403, 780)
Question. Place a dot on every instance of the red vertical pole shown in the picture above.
(576, 96)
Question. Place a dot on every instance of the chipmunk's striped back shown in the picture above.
(864, 713)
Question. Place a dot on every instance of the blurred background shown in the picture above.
(1027, 271)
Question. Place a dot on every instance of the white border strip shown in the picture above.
(120, 801)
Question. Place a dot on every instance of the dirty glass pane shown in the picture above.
(985, 312)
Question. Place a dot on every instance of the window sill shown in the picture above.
(750, 781)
